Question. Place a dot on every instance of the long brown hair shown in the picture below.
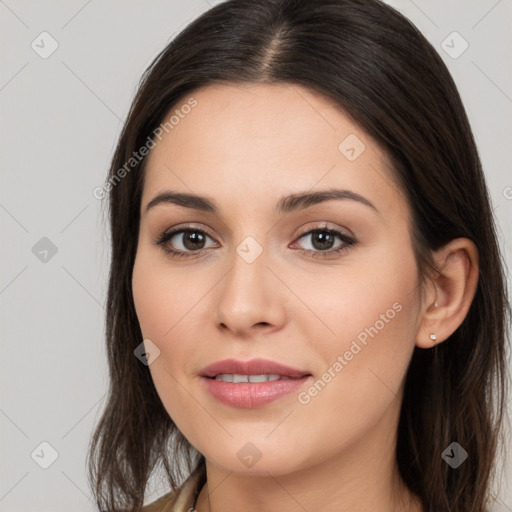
(382, 71)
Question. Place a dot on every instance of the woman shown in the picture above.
(307, 305)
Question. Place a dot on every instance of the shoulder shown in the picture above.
(181, 499)
(163, 504)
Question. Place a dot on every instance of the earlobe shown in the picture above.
(451, 292)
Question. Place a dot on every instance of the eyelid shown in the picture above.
(347, 240)
(327, 226)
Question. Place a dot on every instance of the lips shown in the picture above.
(228, 381)
(252, 367)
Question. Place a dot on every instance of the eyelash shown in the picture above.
(164, 237)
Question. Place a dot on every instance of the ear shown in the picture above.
(449, 293)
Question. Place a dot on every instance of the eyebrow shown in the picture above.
(286, 204)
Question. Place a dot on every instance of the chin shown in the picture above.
(248, 462)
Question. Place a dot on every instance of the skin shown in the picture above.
(246, 146)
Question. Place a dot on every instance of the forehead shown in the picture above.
(269, 117)
(259, 139)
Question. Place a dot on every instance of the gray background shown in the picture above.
(61, 117)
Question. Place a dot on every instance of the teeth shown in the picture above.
(236, 378)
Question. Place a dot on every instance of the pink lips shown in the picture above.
(252, 394)
(252, 367)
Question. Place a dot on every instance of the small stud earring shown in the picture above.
(433, 337)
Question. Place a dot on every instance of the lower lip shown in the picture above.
(252, 394)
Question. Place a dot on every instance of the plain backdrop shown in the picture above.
(68, 72)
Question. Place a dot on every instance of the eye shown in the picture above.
(183, 242)
(322, 240)
(187, 241)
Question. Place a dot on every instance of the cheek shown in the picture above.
(163, 308)
(371, 295)
(372, 311)
(173, 312)
(163, 297)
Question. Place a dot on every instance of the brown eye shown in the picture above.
(192, 240)
(181, 241)
(323, 240)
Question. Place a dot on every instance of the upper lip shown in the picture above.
(252, 367)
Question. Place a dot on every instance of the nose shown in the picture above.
(250, 298)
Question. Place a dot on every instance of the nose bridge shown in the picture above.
(248, 295)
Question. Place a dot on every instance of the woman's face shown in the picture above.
(254, 281)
